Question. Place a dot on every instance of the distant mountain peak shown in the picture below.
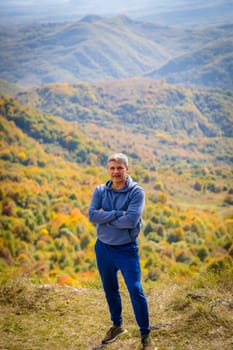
(91, 18)
(121, 18)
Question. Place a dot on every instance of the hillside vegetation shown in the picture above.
(154, 105)
(152, 121)
(96, 48)
(51, 131)
(48, 172)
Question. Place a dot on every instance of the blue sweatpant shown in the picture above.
(125, 258)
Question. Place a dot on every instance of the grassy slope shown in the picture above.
(191, 315)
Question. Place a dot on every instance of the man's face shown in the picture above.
(117, 171)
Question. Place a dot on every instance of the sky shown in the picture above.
(34, 9)
(87, 6)
(12, 11)
(96, 5)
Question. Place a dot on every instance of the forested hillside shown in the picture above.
(57, 134)
(44, 199)
(154, 122)
(48, 171)
(154, 105)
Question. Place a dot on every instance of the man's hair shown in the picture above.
(119, 157)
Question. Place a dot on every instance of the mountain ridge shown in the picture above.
(155, 105)
(209, 66)
(101, 48)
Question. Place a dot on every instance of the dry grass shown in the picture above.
(195, 315)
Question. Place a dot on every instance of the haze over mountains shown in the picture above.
(179, 13)
(96, 48)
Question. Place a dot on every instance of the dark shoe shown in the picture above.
(147, 343)
(113, 333)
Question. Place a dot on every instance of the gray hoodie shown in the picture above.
(117, 213)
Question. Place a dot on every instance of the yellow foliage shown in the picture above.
(162, 197)
(22, 155)
(44, 231)
(162, 136)
(180, 232)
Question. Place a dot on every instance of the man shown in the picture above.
(116, 209)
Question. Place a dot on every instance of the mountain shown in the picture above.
(154, 105)
(97, 48)
(153, 122)
(210, 66)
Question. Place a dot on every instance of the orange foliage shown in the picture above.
(66, 280)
